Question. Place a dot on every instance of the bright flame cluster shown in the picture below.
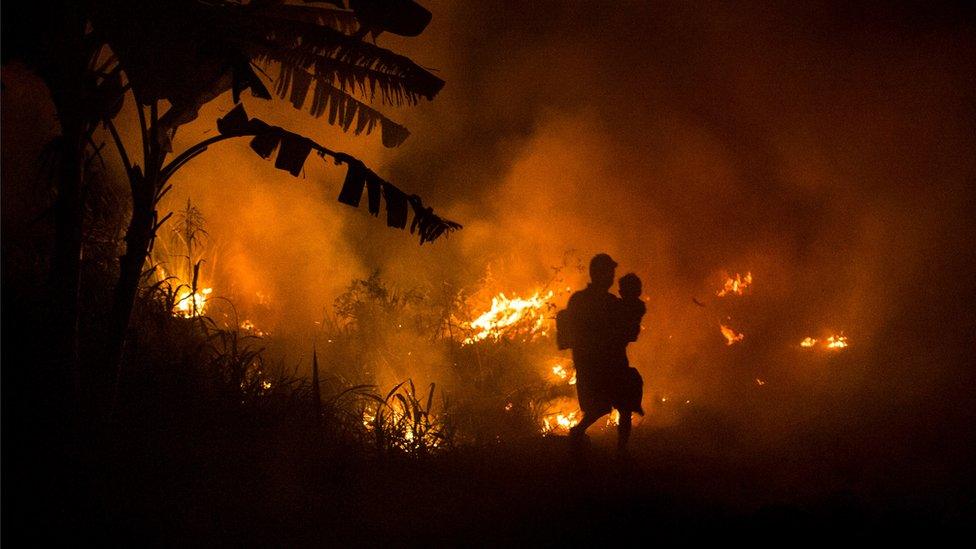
(731, 336)
(837, 342)
(188, 306)
(735, 285)
(562, 373)
(560, 422)
(511, 316)
(834, 342)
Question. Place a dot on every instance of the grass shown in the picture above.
(214, 442)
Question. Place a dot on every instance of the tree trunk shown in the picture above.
(64, 75)
(66, 264)
(138, 237)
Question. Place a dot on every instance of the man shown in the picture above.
(592, 327)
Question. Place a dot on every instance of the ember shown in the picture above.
(251, 328)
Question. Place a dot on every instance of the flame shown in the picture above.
(760, 382)
(186, 303)
(368, 419)
(402, 423)
(560, 423)
(508, 407)
(511, 316)
(252, 329)
(614, 418)
(562, 373)
(731, 337)
(189, 307)
(736, 285)
(837, 342)
(834, 342)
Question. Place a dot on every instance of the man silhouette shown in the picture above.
(598, 331)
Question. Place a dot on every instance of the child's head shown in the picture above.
(630, 286)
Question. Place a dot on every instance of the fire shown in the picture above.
(562, 373)
(186, 302)
(760, 382)
(395, 422)
(837, 342)
(511, 316)
(252, 329)
(188, 305)
(614, 419)
(834, 342)
(731, 337)
(369, 419)
(736, 285)
(560, 423)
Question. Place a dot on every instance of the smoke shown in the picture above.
(826, 148)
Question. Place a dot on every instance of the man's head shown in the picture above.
(602, 268)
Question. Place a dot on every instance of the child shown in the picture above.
(632, 310)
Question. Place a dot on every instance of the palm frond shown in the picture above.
(309, 46)
(392, 89)
(344, 21)
(325, 42)
(344, 110)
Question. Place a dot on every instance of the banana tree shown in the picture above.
(184, 53)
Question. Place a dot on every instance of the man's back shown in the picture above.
(593, 315)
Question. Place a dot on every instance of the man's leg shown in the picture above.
(579, 430)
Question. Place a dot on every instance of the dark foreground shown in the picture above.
(208, 485)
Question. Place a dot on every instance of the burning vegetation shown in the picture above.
(735, 285)
(731, 336)
(833, 342)
(512, 317)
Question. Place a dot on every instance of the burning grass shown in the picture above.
(512, 317)
(833, 342)
(735, 285)
(731, 336)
